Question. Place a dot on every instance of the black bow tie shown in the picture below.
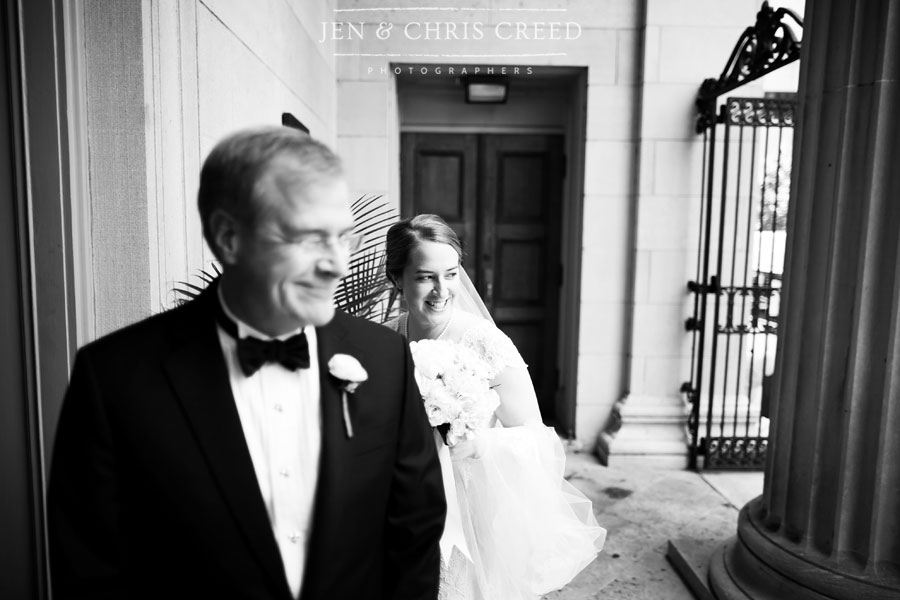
(253, 353)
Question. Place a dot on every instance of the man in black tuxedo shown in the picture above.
(252, 443)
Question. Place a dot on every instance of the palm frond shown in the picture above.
(366, 292)
(186, 291)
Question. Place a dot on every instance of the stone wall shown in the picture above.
(164, 82)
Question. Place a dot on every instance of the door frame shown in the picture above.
(38, 281)
(574, 82)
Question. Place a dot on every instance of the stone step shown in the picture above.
(646, 445)
(662, 432)
(664, 410)
(691, 557)
(668, 462)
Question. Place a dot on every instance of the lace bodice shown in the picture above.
(492, 345)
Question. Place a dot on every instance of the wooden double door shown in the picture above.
(503, 195)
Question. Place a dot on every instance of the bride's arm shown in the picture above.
(518, 402)
(512, 382)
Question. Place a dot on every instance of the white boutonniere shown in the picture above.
(350, 373)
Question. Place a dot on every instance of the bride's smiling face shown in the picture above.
(429, 283)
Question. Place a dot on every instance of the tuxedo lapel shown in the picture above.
(331, 339)
(199, 376)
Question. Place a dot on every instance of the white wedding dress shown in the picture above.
(526, 530)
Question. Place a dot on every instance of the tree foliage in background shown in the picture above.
(365, 292)
(776, 191)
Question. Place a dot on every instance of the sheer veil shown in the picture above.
(468, 298)
(518, 478)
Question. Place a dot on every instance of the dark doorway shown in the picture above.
(503, 195)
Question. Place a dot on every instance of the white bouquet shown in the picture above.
(455, 385)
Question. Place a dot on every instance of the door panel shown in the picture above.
(523, 185)
(442, 174)
(516, 276)
(503, 195)
(521, 200)
(439, 175)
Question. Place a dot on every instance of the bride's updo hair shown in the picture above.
(403, 236)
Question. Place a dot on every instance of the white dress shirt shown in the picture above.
(280, 416)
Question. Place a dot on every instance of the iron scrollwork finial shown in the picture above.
(768, 45)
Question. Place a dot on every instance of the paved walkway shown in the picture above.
(642, 510)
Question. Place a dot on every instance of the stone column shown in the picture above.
(828, 522)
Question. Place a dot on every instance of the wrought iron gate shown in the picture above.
(737, 286)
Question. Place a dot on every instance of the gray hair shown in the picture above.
(229, 179)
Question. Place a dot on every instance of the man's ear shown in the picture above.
(225, 236)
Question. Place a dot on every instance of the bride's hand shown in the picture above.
(465, 449)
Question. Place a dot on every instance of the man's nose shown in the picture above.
(334, 261)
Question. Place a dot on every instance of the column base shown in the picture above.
(759, 564)
(652, 434)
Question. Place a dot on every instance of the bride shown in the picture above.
(515, 529)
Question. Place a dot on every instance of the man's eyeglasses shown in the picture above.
(320, 243)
